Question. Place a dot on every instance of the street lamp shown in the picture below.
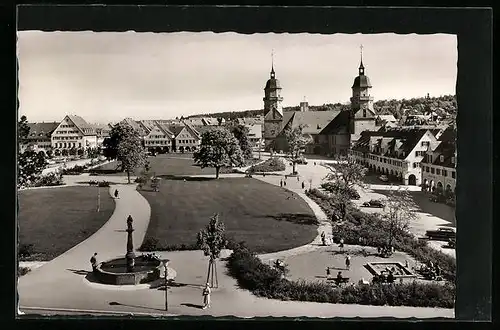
(165, 268)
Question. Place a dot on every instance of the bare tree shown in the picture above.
(347, 171)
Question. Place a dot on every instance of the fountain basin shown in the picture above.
(400, 271)
(114, 271)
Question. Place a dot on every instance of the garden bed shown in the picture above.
(270, 165)
(265, 281)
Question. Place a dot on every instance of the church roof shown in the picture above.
(341, 120)
(313, 121)
(273, 83)
(361, 81)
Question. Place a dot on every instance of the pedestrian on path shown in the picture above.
(281, 183)
(327, 271)
(93, 262)
(303, 185)
(284, 183)
(348, 262)
(116, 193)
(323, 238)
(298, 179)
(206, 296)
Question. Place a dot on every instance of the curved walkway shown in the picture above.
(109, 241)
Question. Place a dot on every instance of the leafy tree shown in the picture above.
(64, 152)
(129, 149)
(240, 132)
(212, 240)
(49, 153)
(30, 165)
(296, 142)
(218, 148)
(347, 171)
(398, 212)
(72, 151)
(23, 130)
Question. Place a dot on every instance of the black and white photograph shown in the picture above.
(229, 174)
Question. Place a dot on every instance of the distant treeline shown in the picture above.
(445, 106)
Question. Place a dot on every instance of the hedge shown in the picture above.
(373, 230)
(337, 187)
(264, 281)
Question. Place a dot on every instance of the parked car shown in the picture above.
(442, 234)
(383, 178)
(374, 203)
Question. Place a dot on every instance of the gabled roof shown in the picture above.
(446, 149)
(82, 125)
(165, 128)
(176, 129)
(314, 121)
(388, 118)
(38, 130)
(136, 126)
(340, 121)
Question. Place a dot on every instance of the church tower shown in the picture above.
(273, 110)
(362, 117)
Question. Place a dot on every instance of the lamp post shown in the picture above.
(98, 198)
(165, 266)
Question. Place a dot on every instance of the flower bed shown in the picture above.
(262, 280)
(373, 230)
(270, 165)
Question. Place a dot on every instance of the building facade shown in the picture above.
(39, 138)
(397, 153)
(73, 132)
(439, 173)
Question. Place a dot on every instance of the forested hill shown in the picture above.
(444, 106)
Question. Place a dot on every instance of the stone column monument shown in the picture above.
(130, 256)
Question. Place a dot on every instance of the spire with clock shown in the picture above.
(273, 110)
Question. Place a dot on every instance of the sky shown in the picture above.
(107, 76)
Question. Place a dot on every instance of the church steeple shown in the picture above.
(273, 75)
(361, 66)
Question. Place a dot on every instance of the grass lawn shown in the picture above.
(253, 211)
(56, 219)
(167, 164)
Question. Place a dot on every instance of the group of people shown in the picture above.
(431, 271)
(283, 182)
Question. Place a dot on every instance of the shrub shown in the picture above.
(25, 251)
(271, 165)
(50, 179)
(103, 184)
(263, 280)
(75, 170)
(21, 271)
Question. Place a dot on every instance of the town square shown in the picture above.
(345, 209)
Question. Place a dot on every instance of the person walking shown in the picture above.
(284, 183)
(281, 183)
(298, 179)
(328, 271)
(323, 238)
(341, 244)
(206, 296)
(303, 185)
(116, 193)
(93, 262)
(348, 262)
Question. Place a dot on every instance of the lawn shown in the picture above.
(266, 217)
(54, 220)
(168, 164)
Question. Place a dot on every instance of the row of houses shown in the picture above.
(412, 155)
(176, 135)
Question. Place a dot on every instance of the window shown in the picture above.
(445, 173)
(453, 160)
(403, 154)
(427, 169)
(414, 165)
(453, 174)
(441, 158)
(438, 171)
(432, 170)
(425, 143)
